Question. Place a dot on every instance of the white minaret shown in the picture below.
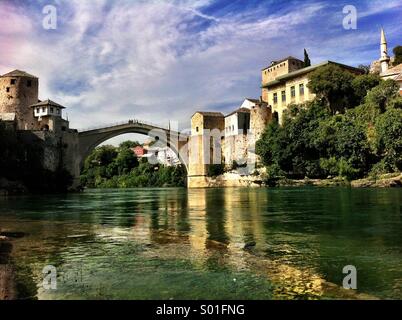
(384, 60)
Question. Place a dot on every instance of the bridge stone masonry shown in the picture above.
(87, 140)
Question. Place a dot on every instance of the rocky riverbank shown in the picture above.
(11, 187)
(8, 289)
(232, 179)
(7, 284)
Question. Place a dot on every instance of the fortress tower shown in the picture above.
(18, 91)
(260, 116)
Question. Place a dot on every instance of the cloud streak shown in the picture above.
(159, 60)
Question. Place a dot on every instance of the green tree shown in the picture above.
(398, 55)
(383, 94)
(333, 86)
(129, 144)
(363, 84)
(341, 138)
(388, 139)
(125, 161)
(307, 61)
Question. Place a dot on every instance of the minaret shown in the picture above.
(384, 60)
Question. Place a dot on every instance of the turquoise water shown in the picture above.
(208, 243)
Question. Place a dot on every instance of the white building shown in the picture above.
(237, 125)
(162, 155)
(49, 115)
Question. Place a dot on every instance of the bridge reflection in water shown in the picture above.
(151, 243)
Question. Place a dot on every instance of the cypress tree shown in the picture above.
(307, 61)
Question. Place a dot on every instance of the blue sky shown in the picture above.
(109, 61)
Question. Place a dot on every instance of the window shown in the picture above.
(196, 129)
(283, 96)
(29, 83)
(8, 89)
(293, 92)
(51, 110)
(58, 111)
(43, 109)
(37, 110)
(301, 89)
(275, 98)
(13, 81)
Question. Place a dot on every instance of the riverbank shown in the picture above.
(7, 280)
(232, 179)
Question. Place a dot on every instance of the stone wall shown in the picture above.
(235, 149)
(205, 144)
(58, 150)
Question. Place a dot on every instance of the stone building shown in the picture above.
(18, 91)
(260, 115)
(9, 119)
(48, 114)
(243, 127)
(285, 82)
(237, 127)
(205, 145)
(38, 123)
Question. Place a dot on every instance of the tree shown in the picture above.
(383, 94)
(363, 84)
(290, 148)
(307, 61)
(125, 161)
(341, 138)
(333, 85)
(398, 55)
(129, 144)
(388, 139)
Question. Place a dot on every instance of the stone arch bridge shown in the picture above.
(89, 139)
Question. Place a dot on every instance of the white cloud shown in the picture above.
(151, 59)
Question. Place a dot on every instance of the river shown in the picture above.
(234, 243)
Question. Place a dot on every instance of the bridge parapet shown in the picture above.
(120, 123)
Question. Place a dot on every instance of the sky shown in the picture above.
(109, 61)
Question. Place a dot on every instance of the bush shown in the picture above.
(389, 139)
(110, 167)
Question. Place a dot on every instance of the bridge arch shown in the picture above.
(90, 139)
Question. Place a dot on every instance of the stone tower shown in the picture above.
(385, 59)
(260, 116)
(205, 146)
(18, 91)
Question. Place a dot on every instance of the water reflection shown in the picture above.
(209, 243)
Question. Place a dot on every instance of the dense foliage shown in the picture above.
(352, 129)
(118, 167)
(398, 55)
(21, 166)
